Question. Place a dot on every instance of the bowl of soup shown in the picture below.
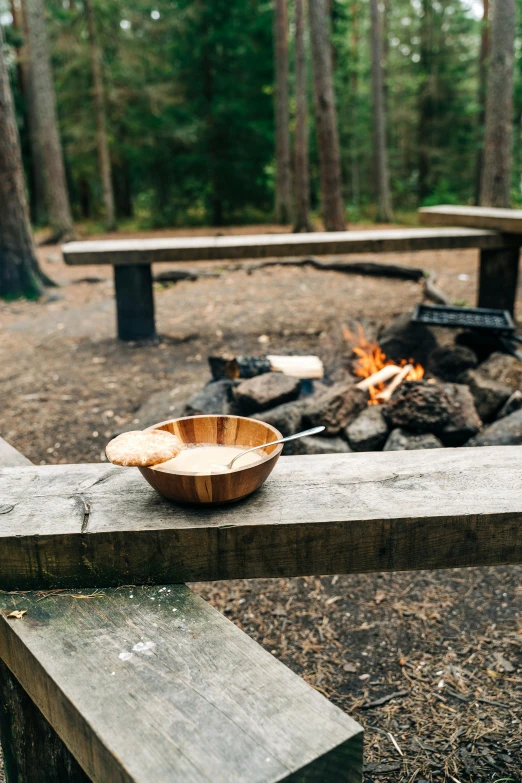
(196, 475)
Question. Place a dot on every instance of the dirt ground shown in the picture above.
(446, 645)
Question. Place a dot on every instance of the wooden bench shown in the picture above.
(498, 274)
(132, 258)
(143, 684)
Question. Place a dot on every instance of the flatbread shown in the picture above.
(142, 449)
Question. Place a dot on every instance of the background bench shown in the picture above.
(132, 259)
(147, 684)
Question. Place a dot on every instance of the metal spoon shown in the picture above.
(313, 431)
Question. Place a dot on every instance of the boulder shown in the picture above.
(504, 369)
(401, 440)
(448, 363)
(465, 421)
(335, 408)
(316, 444)
(285, 418)
(504, 432)
(403, 339)
(215, 397)
(419, 406)
(266, 391)
(513, 404)
(489, 395)
(368, 432)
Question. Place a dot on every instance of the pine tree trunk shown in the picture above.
(427, 91)
(44, 108)
(354, 99)
(381, 173)
(283, 201)
(482, 76)
(325, 117)
(35, 175)
(19, 273)
(101, 124)
(496, 171)
(302, 175)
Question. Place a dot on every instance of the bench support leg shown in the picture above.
(134, 302)
(32, 751)
(498, 279)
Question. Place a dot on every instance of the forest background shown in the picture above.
(189, 106)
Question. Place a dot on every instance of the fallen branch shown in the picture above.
(433, 293)
(347, 267)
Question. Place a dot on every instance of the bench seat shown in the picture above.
(150, 684)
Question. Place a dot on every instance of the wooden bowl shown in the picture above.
(218, 487)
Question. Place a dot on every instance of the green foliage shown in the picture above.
(189, 88)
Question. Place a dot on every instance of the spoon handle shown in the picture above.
(313, 431)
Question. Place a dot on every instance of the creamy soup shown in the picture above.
(204, 460)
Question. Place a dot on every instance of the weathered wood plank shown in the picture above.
(498, 279)
(148, 251)
(9, 456)
(153, 684)
(492, 218)
(348, 513)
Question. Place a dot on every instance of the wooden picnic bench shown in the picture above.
(498, 273)
(132, 258)
(142, 684)
(124, 683)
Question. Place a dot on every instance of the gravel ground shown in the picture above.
(447, 646)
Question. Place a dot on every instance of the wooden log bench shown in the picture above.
(132, 258)
(143, 684)
(498, 272)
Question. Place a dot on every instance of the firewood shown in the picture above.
(386, 394)
(304, 367)
(381, 376)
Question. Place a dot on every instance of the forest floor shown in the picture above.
(446, 644)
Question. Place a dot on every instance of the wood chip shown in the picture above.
(17, 614)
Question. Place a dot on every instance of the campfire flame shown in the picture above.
(371, 359)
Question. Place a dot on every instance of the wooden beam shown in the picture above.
(509, 220)
(79, 525)
(153, 684)
(10, 457)
(498, 279)
(148, 251)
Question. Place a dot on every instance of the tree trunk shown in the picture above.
(19, 273)
(382, 174)
(44, 108)
(101, 124)
(427, 91)
(325, 117)
(283, 201)
(302, 175)
(354, 98)
(496, 175)
(482, 77)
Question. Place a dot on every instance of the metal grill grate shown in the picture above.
(470, 317)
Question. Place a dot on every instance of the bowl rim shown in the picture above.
(274, 455)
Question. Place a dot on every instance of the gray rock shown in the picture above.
(504, 432)
(315, 444)
(335, 408)
(403, 339)
(368, 432)
(215, 397)
(160, 406)
(489, 395)
(419, 406)
(449, 363)
(401, 440)
(465, 421)
(504, 369)
(285, 418)
(513, 404)
(266, 391)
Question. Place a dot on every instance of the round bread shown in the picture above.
(142, 449)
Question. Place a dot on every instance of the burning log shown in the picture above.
(381, 376)
(304, 367)
(386, 394)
